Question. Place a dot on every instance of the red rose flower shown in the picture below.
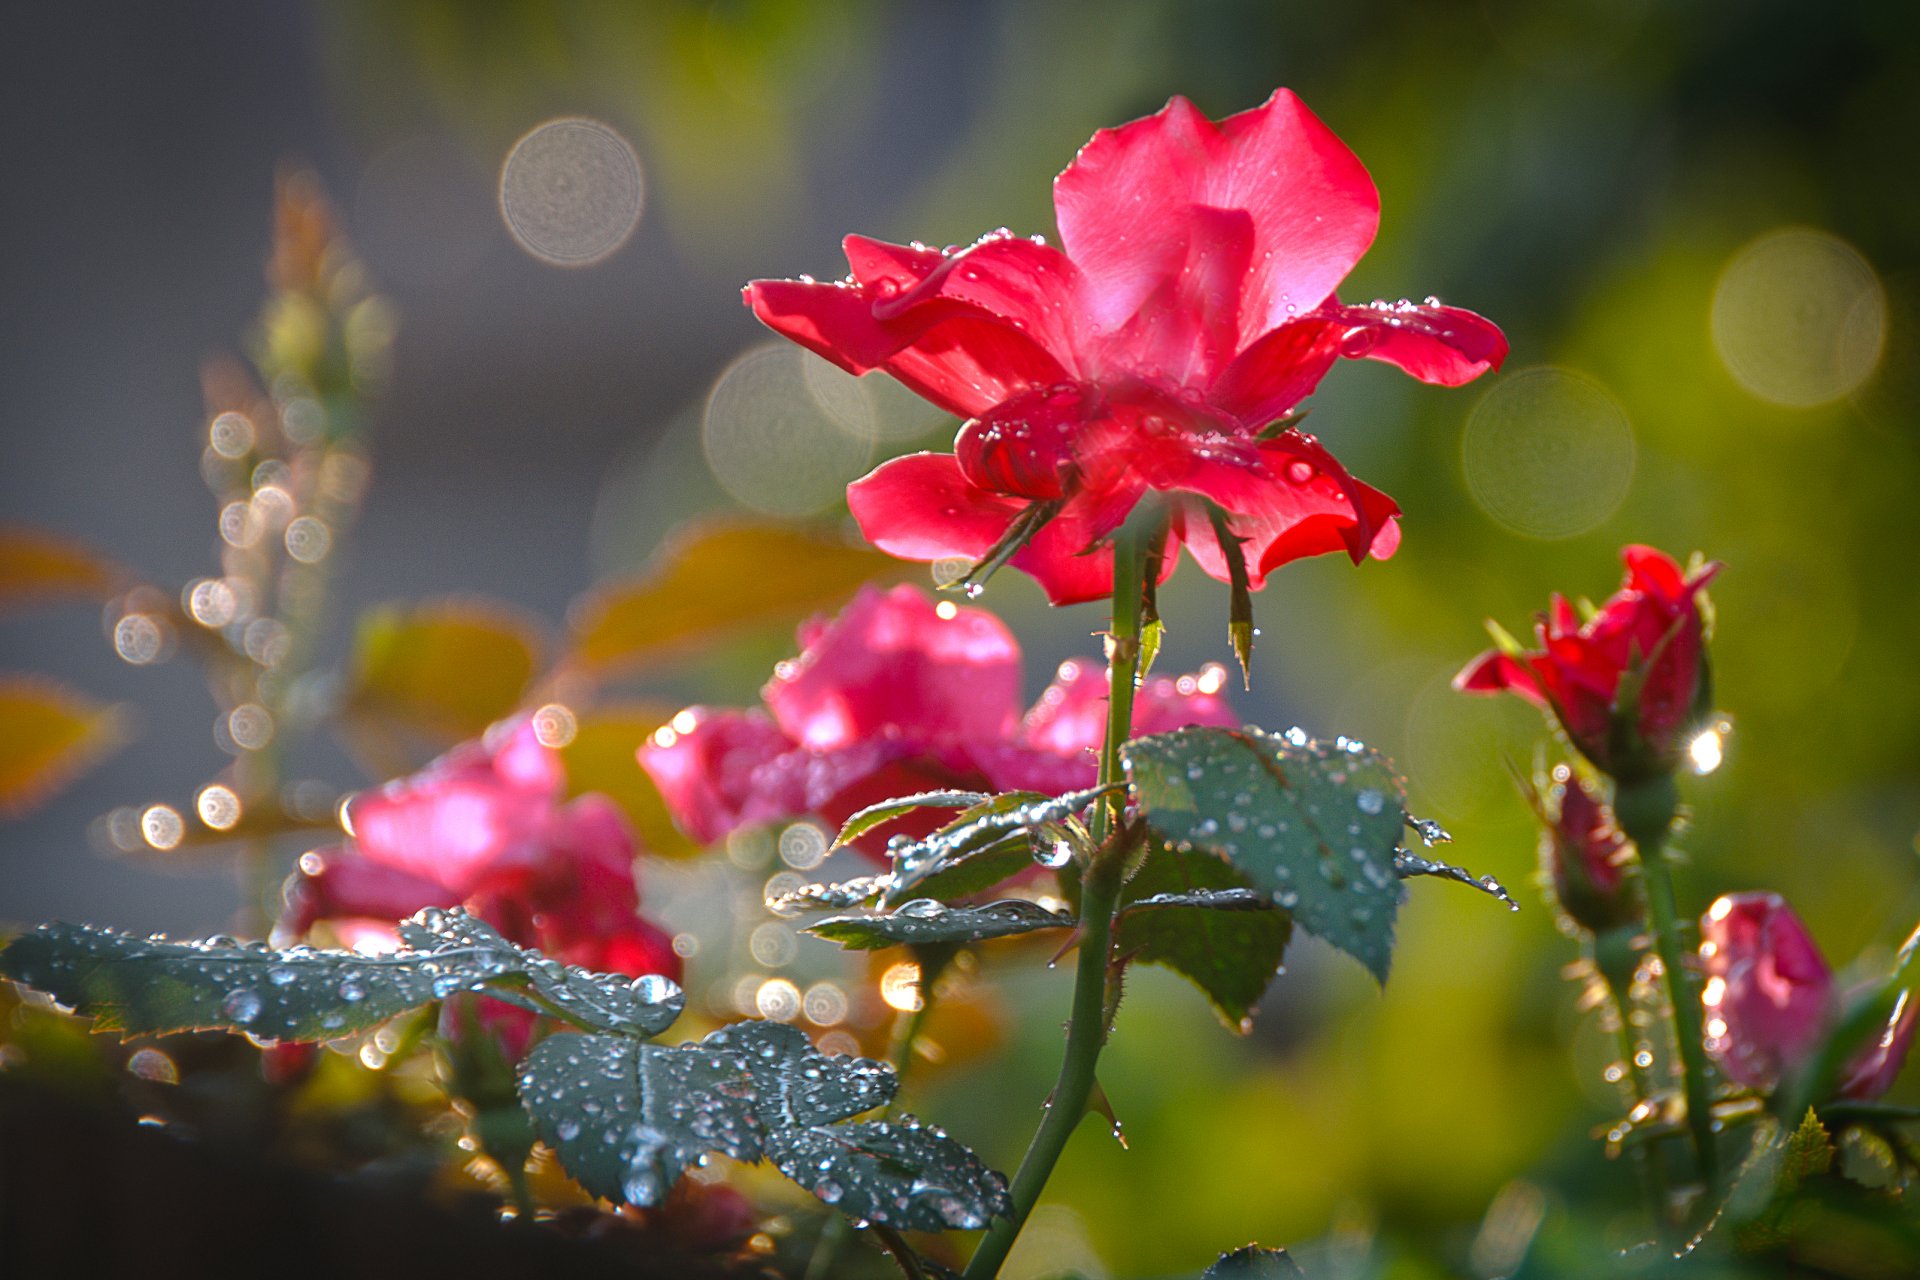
(1190, 306)
(896, 696)
(1650, 629)
(1583, 854)
(484, 827)
(1771, 1004)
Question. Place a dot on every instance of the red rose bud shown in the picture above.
(1188, 308)
(1630, 684)
(1771, 1004)
(1583, 852)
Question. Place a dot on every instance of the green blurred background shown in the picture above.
(1692, 219)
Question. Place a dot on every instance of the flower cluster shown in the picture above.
(484, 827)
(1187, 311)
(1772, 1005)
(894, 696)
(1630, 683)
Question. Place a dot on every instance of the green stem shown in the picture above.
(1099, 896)
(1615, 958)
(1645, 811)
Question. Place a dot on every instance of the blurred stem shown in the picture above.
(1645, 811)
(1614, 956)
(933, 961)
(1099, 895)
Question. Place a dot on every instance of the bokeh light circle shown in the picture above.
(571, 191)
(777, 445)
(1799, 317)
(1548, 453)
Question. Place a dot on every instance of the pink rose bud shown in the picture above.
(1771, 1004)
(1583, 853)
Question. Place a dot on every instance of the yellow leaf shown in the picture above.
(35, 564)
(48, 735)
(714, 579)
(601, 757)
(445, 669)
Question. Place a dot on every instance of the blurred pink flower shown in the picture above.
(1771, 1002)
(896, 696)
(1189, 306)
(484, 827)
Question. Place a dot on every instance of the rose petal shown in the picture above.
(1775, 1000)
(1126, 206)
(707, 774)
(921, 507)
(891, 662)
(966, 330)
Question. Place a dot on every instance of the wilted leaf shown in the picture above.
(38, 565)
(1313, 825)
(147, 986)
(1195, 914)
(48, 734)
(716, 579)
(601, 757)
(924, 920)
(446, 669)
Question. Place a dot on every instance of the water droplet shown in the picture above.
(829, 1192)
(352, 992)
(653, 988)
(243, 1006)
(1370, 801)
(280, 975)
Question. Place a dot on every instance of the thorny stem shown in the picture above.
(1645, 811)
(1099, 895)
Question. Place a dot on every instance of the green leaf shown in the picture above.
(48, 734)
(713, 580)
(1251, 1262)
(1315, 826)
(151, 986)
(924, 920)
(875, 815)
(627, 1119)
(445, 669)
(984, 826)
(1195, 914)
(898, 1173)
(979, 870)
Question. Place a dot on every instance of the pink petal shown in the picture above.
(706, 774)
(1873, 1072)
(1495, 672)
(1287, 498)
(1774, 1004)
(921, 507)
(890, 662)
(334, 884)
(1127, 207)
(1070, 717)
(966, 330)
(1276, 371)
(1188, 328)
(1447, 346)
(450, 821)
